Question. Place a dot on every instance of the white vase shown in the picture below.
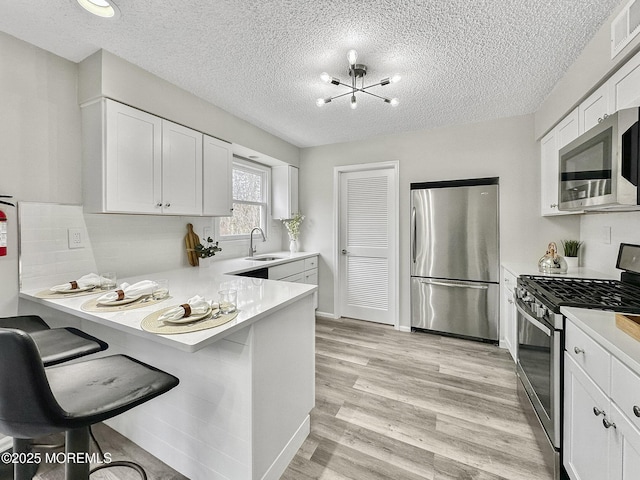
(293, 245)
(572, 262)
(204, 262)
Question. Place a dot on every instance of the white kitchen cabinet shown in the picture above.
(509, 313)
(217, 162)
(181, 170)
(284, 191)
(298, 271)
(550, 145)
(601, 411)
(135, 162)
(586, 440)
(594, 109)
(624, 85)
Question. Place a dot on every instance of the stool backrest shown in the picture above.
(27, 406)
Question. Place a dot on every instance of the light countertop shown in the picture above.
(601, 326)
(532, 269)
(257, 298)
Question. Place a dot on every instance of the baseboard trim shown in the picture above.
(330, 316)
(404, 328)
(6, 443)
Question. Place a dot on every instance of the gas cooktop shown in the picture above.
(584, 292)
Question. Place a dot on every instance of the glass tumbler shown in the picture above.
(228, 300)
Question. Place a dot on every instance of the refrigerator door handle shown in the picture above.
(414, 234)
(458, 285)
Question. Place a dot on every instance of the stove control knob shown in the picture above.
(542, 311)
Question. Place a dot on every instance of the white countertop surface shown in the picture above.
(532, 269)
(601, 326)
(257, 298)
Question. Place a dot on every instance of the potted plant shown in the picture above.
(293, 228)
(206, 252)
(571, 252)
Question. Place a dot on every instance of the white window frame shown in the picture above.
(265, 171)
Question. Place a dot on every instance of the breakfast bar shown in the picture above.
(241, 410)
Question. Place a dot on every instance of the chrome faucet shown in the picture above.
(252, 249)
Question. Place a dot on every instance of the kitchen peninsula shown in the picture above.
(241, 410)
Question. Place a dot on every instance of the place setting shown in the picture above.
(85, 285)
(196, 314)
(129, 297)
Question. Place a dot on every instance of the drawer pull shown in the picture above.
(578, 350)
(607, 423)
(636, 410)
(597, 412)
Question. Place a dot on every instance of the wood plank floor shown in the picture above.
(392, 405)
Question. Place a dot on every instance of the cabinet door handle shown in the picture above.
(554, 205)
(636, 410)
(167, 205)
(159, 204)
(597, 412)
(600, 119)
(607, 423)
(510, 301)
(578, 350)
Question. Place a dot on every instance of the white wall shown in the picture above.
(504, 148)
(39, 138)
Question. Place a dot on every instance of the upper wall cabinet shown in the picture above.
(284, 186)
(594, 109)
(624, 85)
(136, 162)
(217, 164)
(550, 145)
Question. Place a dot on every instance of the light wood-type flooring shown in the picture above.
(393, 406)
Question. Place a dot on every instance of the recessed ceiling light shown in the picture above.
(101, 8)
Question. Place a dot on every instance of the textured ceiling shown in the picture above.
(461, 61)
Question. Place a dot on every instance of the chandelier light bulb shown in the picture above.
(354, 102)
(320, 102)
(352, 56)
(325, 77)
(395, 79)
(394, 102)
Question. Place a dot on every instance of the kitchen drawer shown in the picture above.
(310, 263)
(625, 391)
(286, 270)
(594, 359)
(509, 280)
(311, 276)
(296, 278)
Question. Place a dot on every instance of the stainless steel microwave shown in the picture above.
(599, 169)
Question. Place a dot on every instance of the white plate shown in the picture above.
(114, 303)
(75, 290)
(190, 318)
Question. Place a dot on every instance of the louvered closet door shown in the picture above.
(367, 210)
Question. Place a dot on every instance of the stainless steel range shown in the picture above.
(541, 336)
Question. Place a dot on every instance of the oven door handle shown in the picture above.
(532, 320)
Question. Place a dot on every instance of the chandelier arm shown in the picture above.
(341, 95)
(374, 95)
(369, 86)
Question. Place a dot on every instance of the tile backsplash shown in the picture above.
(127, 244)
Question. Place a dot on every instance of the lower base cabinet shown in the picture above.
(601, 438)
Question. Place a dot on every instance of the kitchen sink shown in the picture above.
(263, 258)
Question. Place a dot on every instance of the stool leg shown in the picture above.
(77, 448)
(23, 471)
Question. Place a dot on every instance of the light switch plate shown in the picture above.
(76, 239)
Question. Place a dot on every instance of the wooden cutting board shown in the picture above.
(190, 241)
(629, 324)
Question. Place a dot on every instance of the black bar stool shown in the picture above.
(56, 345)
(69, 397)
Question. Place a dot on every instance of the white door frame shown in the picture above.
(395, 288)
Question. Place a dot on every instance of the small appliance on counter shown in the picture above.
(551, 262)
(540, 327)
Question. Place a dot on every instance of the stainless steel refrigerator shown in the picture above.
(455, 257)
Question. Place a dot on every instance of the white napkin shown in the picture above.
(89, 280)
(197, 304)
(145, 287)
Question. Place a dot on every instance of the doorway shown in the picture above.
(366, 242)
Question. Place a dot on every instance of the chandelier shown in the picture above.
(357, 71)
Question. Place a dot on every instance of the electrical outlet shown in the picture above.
(76, 239)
